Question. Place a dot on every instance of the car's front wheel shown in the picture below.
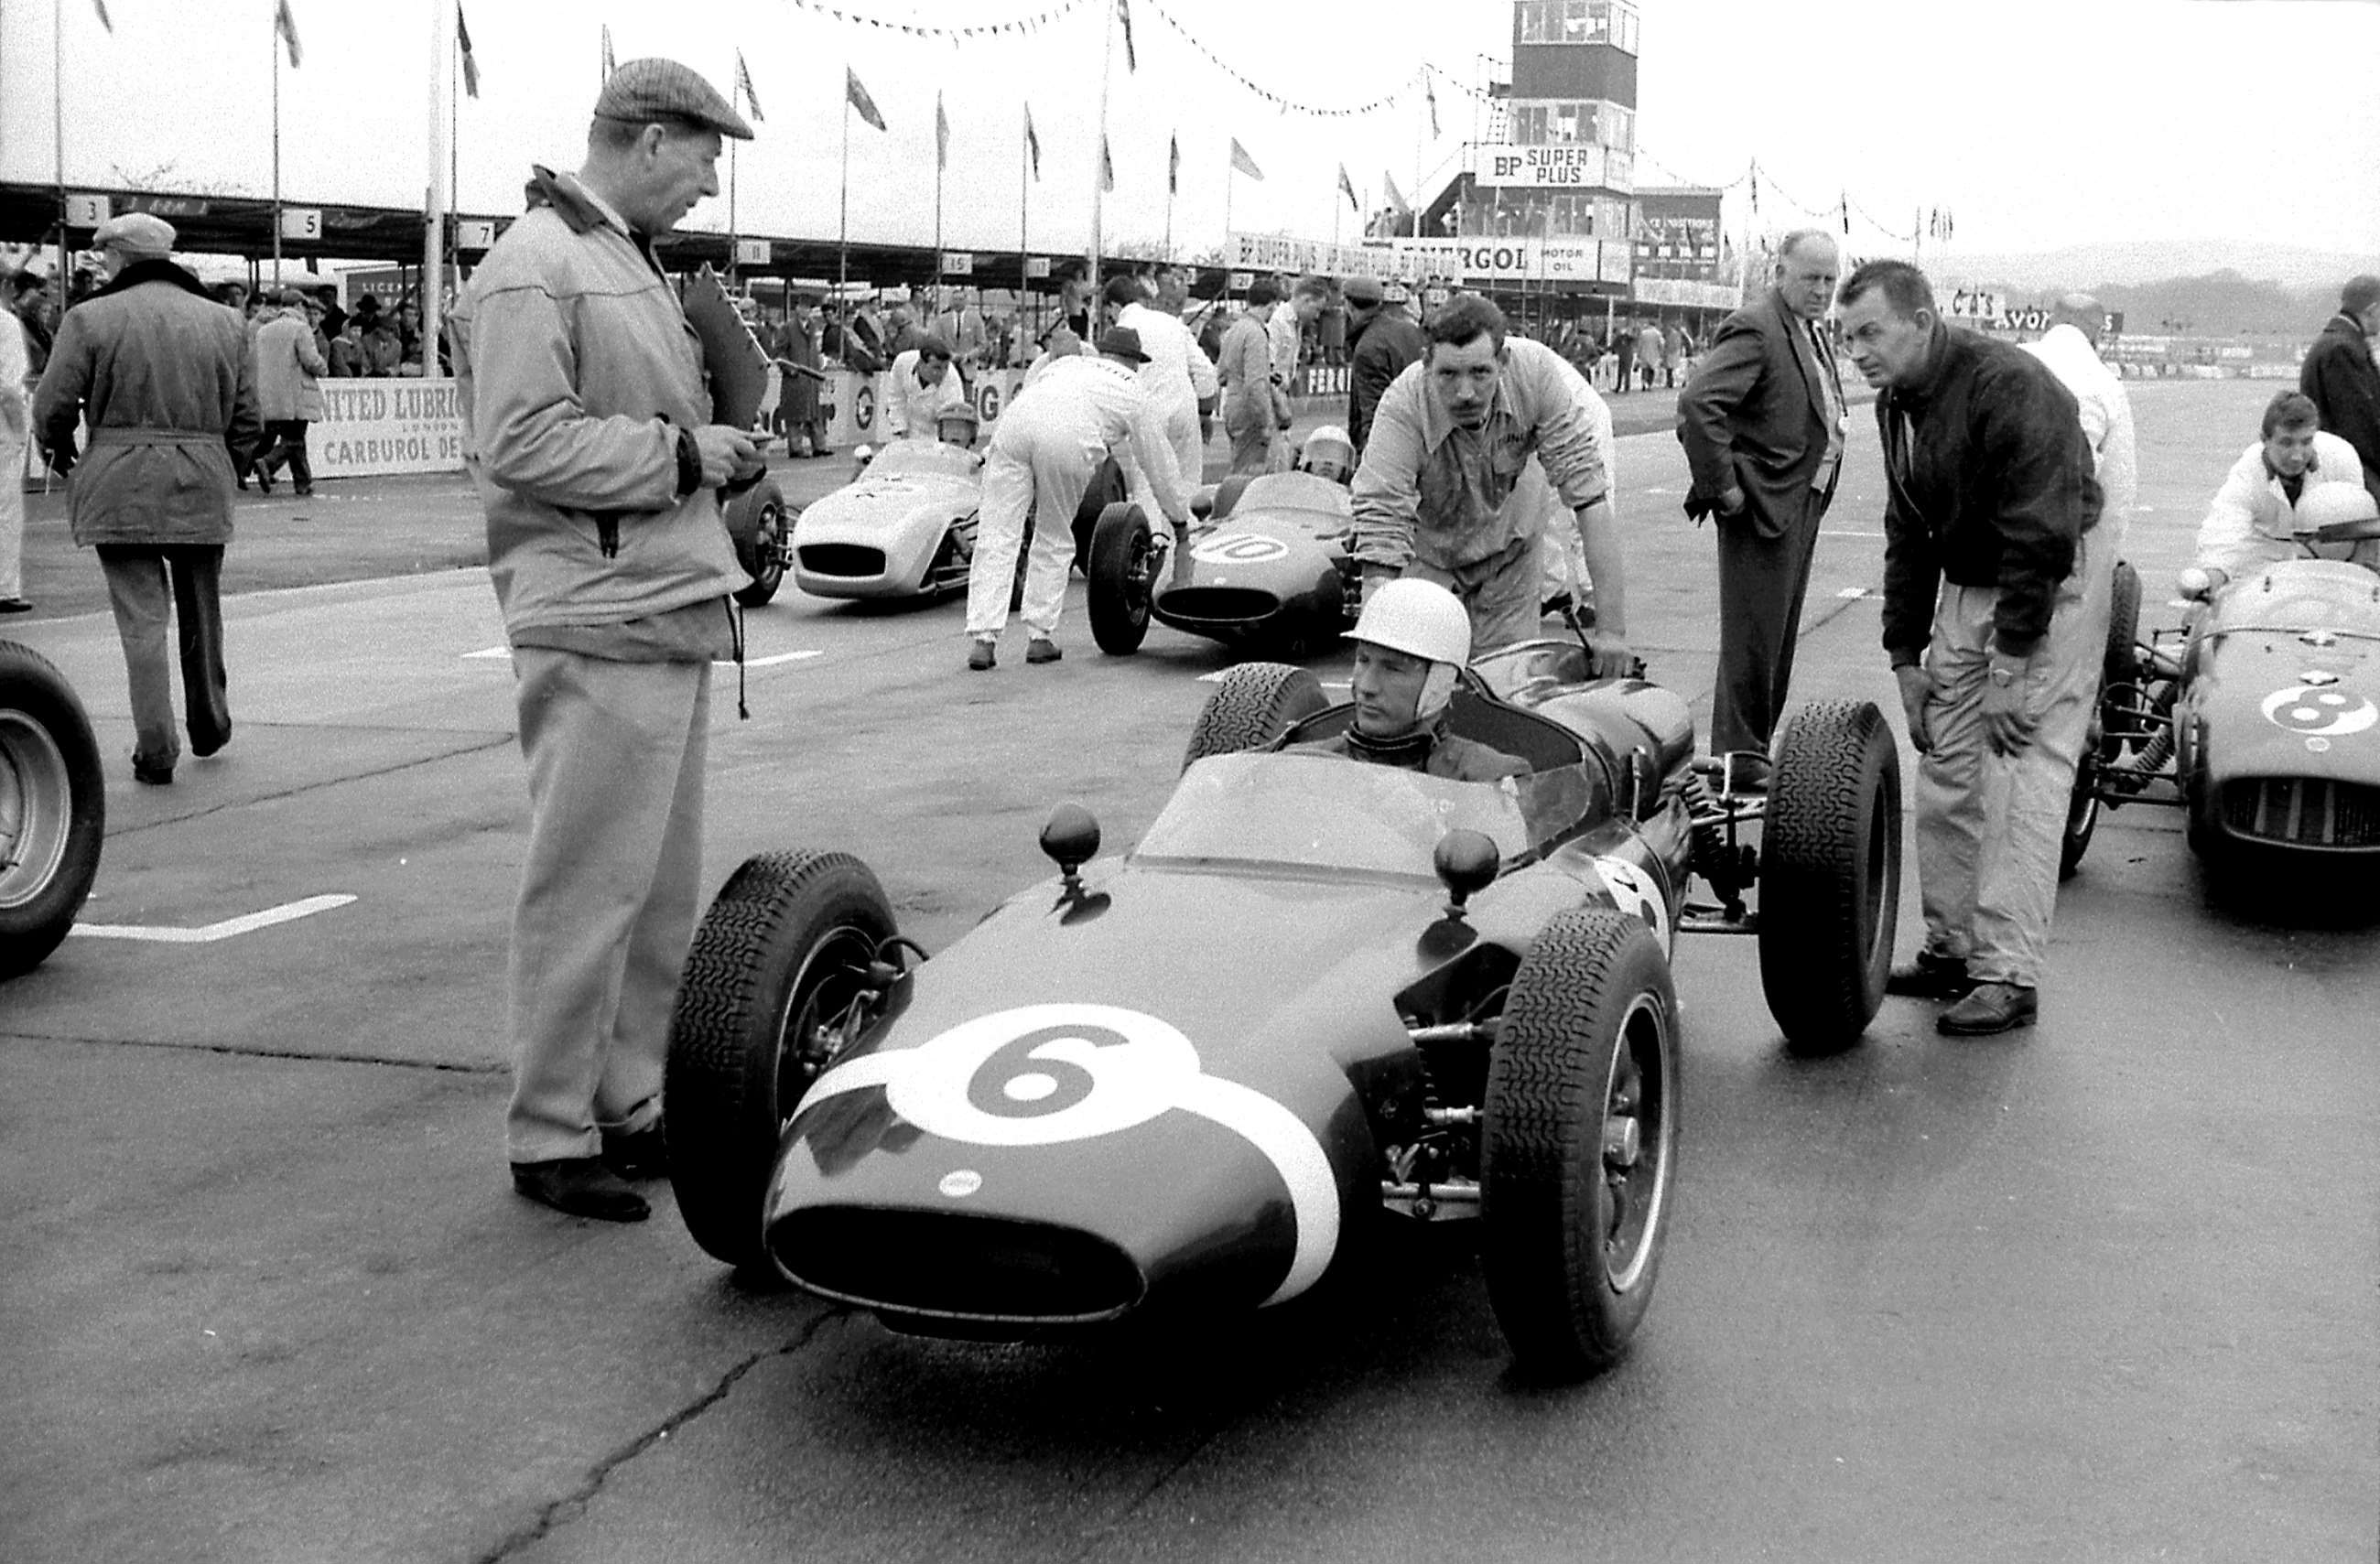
(775, 970)
(53, 806)
(1122, 565)
(759, 515)
(1579, 1142)
(1829, 873)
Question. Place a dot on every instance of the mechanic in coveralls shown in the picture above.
(919, 386)
(1044, 452)
(1411, 643)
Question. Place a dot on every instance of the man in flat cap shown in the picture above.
(587, 430)
(1384, 340)
(160, 371)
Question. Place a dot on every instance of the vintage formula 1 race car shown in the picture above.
(53, 807)
(1318, 998)
(2259, 718)
(904, 525)
(1265, 570)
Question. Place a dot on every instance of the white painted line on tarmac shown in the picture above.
(492, 653)
(209, 934)
(1847, 532)
(1852, 592)
(489, 652)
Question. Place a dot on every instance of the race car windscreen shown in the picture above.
(923, 458)
(1323, 812)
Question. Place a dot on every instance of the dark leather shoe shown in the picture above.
(209, 746)
(981, 656)
(636, 1154)
(1042, 649)
(580, 1186)
(1930, 977)
(155, 776)
(1992, 1007)
(15, 605)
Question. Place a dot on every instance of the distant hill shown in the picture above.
(2097, 266)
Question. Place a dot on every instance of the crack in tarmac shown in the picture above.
(239, 1050)
(502, 742)
(1097, 1543)
(571, 1506)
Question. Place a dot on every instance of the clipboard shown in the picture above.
(738, 365)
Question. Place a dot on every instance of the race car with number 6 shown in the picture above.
(1319, 999)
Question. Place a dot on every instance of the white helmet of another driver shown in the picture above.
(1419, 618)
(2327, 505)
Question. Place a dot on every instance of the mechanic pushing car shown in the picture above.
(1412, 642)
(918, 387)
(2273, 496)
(1439, 496)
(1049, 442)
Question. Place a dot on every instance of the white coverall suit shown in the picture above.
(1044, 450)
(1175, 377)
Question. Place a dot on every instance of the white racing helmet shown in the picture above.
(1329, 453)
(2328, 505)
(1420, 619)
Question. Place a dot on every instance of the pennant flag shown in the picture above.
(100, 6)
(941, 135)
(1131, 56)
(286, 26)
(1243, 162)
(1396, 197)
(744, 80)
(1429, 91)
(1347, 188)
(609, 63)
(857, 96)
(1172, 164)
(1845, 197)
(1107, 167)
(470, 64)
(1032, 144)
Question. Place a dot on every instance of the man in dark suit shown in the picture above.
(2341, 377)
(1762, 422)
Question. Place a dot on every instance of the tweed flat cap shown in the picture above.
(135, 233)
(643, 90)
(1364, 291)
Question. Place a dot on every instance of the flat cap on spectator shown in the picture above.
(644, 90)
(1123, 341)
(135, 233)
(1364, 291)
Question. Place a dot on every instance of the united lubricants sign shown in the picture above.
(387, 426)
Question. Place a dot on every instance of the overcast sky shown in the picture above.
(2038, 124)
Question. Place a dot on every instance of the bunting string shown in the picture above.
(1285, 104)
(981, 30)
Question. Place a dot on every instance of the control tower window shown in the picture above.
(1578, 21)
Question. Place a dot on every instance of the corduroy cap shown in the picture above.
(135, 233)
(641, 92)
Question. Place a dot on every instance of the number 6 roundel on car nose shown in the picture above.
(1047, 1074)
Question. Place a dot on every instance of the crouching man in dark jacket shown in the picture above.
(1995, 602)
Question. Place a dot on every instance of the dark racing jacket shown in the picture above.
(1432, 751)
(1990, 485)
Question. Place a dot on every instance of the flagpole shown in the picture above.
(938, 201)
(433, 228)
(1100, 166)
(842, 222)
(739, 90)
(58, 137)
(1025, 224)
(275, 36)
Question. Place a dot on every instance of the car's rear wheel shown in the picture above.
(1829, 873)
(2082, 813)
(1253, 707)
(1578, 1142)
(53, 807)
(2123, 660)
(780, 960)
(1123, 560)
(758, 522)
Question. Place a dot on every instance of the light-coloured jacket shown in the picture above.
(160, 371)
(2107, 414)
(1175, 366)
(1095, 406)
(1247, 371)
(1430, 491)
(912, 409)
(2251, 521)
(288, 370)
(575, 369)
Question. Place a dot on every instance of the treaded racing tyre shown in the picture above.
(2123, 660)
(1829, 873)
(2082, 813)
(1255, 704)
(777, 962)
(1120, 549)
(1578, 1141)
(53, 807)
(758, 513)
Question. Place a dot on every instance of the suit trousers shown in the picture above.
(150, 585)
(285, 442)
(1988, 826)
(1762, 582)
(611, 885)
(1045, 483)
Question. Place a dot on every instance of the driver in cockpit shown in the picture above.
(2276, 496)
(957, 425)
(1328, 453)
(1411, 643)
